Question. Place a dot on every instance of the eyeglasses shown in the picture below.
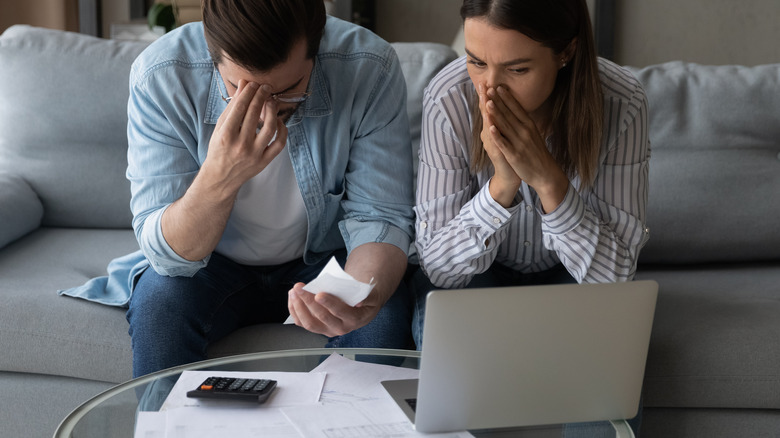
(294, 98)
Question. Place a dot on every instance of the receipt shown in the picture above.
(335, 281)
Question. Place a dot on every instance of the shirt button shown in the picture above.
(423, 225)
(528, 208)
(496, 220)
(526, 243)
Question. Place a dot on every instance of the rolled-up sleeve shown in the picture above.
(379, 187)
(161, 165)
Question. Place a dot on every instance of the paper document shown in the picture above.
(341, 398)
(354, 404)
(291, 389)
(367, 419)
(349, 380)
(245, 421)
(181, 416)
(333, 280)
(150, 425)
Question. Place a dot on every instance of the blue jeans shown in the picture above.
(499, 276)
(174, 319)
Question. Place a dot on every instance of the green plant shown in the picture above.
(161, 14)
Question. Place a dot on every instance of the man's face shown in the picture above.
(287, 80)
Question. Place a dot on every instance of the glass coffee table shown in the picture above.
(113, 413)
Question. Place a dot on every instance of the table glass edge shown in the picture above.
(622, 428)
(67, 425)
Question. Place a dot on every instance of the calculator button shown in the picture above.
(236, 384)
(249, 385)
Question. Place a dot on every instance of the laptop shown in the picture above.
(530, 356)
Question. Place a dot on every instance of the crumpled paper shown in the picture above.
(333, 280)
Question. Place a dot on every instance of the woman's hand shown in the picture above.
(505, 182)
(516, 136)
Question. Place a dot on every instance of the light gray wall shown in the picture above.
(418, 20)
(422, 20)
(717, 32)
(114, 11)
(647, 31)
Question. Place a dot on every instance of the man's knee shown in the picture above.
(155, 289)
(160, 299)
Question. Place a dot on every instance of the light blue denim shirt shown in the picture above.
(351, 151)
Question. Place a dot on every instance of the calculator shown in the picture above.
(234, 388)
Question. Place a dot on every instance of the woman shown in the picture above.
(533, 158)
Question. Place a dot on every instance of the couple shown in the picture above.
(268, 138)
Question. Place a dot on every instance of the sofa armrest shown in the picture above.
(21, 210)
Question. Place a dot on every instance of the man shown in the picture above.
(263, 141)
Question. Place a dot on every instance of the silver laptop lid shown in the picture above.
(533, 355)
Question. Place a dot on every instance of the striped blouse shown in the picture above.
(596, 234)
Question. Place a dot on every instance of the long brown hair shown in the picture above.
(577, 116)
(260, 34)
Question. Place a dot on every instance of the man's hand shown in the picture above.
(238, 151)
(248, 136)
(326, 314)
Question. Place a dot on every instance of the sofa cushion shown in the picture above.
(420, 62)
(715, 167)
(64, 129)
(715, 337)
(44, 333)
(20, 208)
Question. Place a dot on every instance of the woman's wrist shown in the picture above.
(553, 192)
(502, 192)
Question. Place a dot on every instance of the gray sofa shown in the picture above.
(64, 214)
(714, 249)
(713, 369)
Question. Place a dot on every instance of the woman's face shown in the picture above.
(507, 57)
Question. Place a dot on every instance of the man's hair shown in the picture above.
(577, 98)
(258, 35)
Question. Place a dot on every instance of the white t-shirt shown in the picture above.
(268, 223)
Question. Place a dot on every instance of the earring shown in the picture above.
(563, 60)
